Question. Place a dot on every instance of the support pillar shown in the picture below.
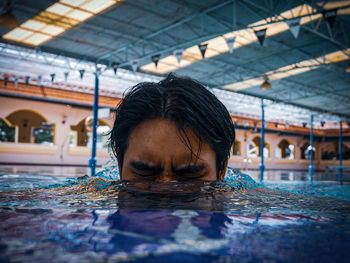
(92, 161)
(311, 167)
(262, 145)
(341, 152)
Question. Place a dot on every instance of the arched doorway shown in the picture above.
(331, 151)
(80, 136)
(33, 127)
(305, 151)
(285, 150)
(254, 149)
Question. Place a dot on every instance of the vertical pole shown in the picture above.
(311, 167)
(92, 161)
(262, 146)
(341, 152)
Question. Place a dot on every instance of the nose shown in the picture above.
(166, 177)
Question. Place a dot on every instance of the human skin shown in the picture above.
(157, 153)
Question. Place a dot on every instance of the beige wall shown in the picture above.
(243, 162)
(64, 116)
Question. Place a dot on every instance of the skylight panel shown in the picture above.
(33, 25)
(52, 30)
(217, 46)
(75, 3)
(244, 37)
(335, 4)
(243, 84)
(59, 9)
(79, 15)
(292, 70)
(96, 6)
(36, 39)
(56, 19)
(337, 56)
(18, 34)
(345, 11)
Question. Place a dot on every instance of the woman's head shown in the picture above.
(183, 107)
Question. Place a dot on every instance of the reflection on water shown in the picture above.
(108, 220)
(304, 176)
(68, 235)
(285, 176)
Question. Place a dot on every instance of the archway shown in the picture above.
(254, 149)
(305, 151)
(331, 151)
(80, 136)
(285, 150)
(33, 127)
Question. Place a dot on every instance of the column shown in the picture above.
(341, 152)
(311, 167)
(262, 145)
(92, 161)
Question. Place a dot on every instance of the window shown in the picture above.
(32, 127)
(7, 132)
(254, 149)
(305, 151)
(331, 151)
(80, 135)
(44, 134)
(102, 138)
(285, 150)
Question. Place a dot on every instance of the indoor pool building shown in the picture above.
(46, 125)
(280, 68)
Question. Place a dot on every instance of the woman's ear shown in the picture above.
(223, 173)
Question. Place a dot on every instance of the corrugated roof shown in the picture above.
(137, 30)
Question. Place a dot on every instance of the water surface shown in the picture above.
(46, 217)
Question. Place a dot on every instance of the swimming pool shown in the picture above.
(285, 219)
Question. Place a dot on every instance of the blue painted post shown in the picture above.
(92, 161)
(262, 145)
(341, 152)
(311, 167)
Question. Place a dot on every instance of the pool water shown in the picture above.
(58, 215)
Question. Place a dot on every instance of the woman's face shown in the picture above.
(157, 153)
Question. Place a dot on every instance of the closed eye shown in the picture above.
(145, 169)
(190, 171)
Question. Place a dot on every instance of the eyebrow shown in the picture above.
(189, 169)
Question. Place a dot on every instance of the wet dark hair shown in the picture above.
(185, 102)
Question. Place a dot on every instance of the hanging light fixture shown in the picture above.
(266, 84)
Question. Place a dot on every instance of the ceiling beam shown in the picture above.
(316, 109)
(164, 29)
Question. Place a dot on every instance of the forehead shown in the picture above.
(159, 138)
